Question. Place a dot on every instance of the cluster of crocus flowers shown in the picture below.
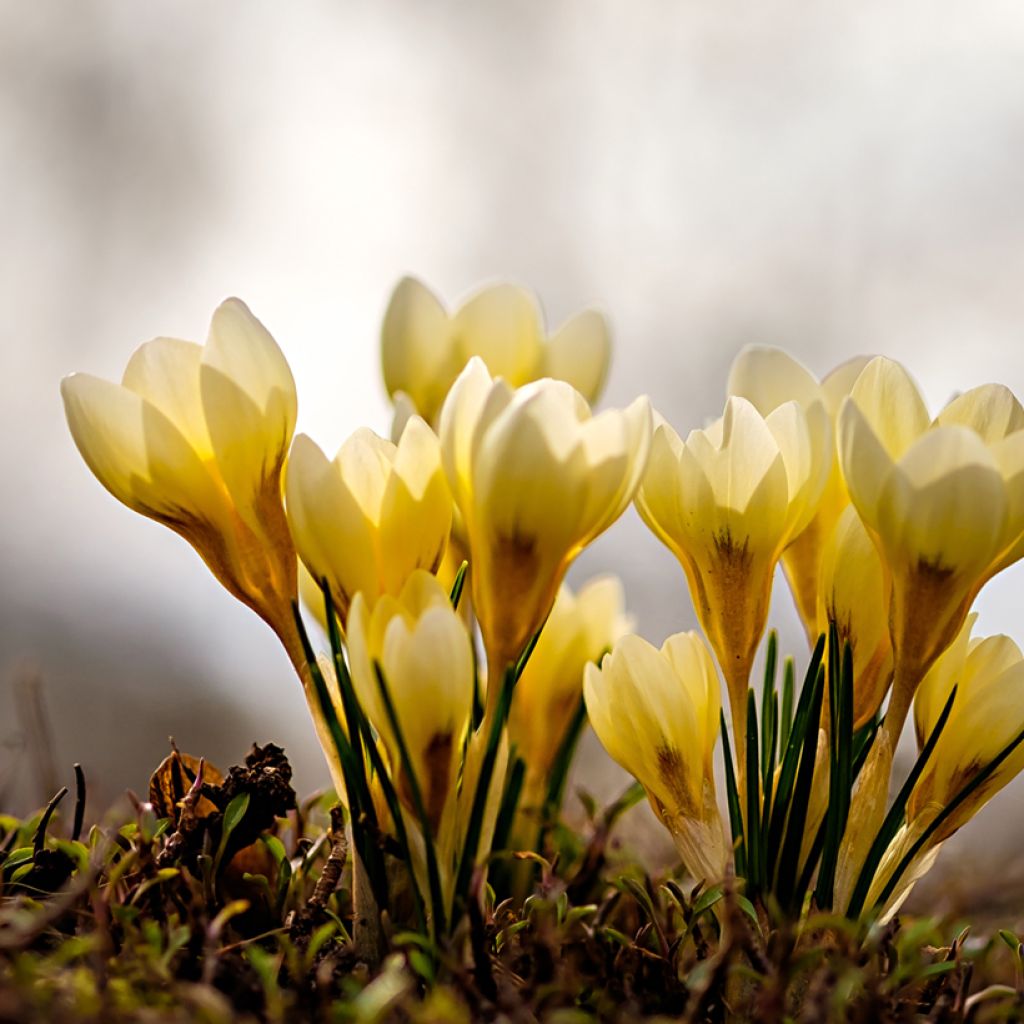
(887, 524)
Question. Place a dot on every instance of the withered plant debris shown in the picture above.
(221, 899)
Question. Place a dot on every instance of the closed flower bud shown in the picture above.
(424, 348)
(726, 502)
(424, 653)
(195, 437)
(770, 377)
(854, 594)
(366, 520)
(656, 712)
(580, 628)
(536, 478)
(943, 500)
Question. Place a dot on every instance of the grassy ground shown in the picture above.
(228, 900)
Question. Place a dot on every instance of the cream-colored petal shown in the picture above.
(502, 325)
(579, 352)
(365, 462)
(865, 461)
(838, 383)
(458, 423)
(332, 533)
(990, 410)
(892, 404)
(767, 377)
(945, 504)
(249, 402)
(165, 372)
(137, 453)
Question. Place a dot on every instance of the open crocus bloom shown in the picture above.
(424, 348)
(769, 377)
(367, 519)
(536, 479)
(195, 437)
(656, 712)
(726, 502)
(986, 717)
(943, 501)
(580, 628)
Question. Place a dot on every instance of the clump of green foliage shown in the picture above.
(223, 898)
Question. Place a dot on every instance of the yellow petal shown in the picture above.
(501, 324)
(165, 372)
(249, 403)
(891, 403)
(137, 453)
(768, 377)
(991, 411)
(579, 353)
(417, 349)
(945, 504)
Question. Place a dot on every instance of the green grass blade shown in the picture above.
(361, 810)
(509, 804)
(840, 686)
(791, 756)
(788, 688)
(458, 585)
(790, 854)
(564, 758)
(433, 874)
(767, 693)
(896, 814)
(753, 821)
(479, 805)
(733, 800)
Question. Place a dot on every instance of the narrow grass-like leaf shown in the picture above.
(790, 854)
(840, 689)
(895, 816)
(788, 692)
(509, 804)
(767, 693)
(753, 820)
(479, 804)
(416, 791)
(791, 756)
(946, 812)
(361, 810)
(733, 801)
(563, 759)
(458, 585)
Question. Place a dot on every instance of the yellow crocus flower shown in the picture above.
(367, 519)
(854, 594)
(656, 712)
(580, 628)
(195, 437)
(943, 501)
(986, 716)
(424, 347)
(536, 478)
(769, 377)
(425, 654)
(727, 502)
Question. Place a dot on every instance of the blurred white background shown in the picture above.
(835, 178)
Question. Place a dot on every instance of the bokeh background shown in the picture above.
(836, 178)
